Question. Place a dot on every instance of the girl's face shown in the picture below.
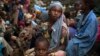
(55, 12)
(41, 49)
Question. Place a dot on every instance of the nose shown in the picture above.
(41, 51)
(56, 12)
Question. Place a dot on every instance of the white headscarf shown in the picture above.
(57, 26)
(57, 3)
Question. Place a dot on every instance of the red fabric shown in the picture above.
(98, 34)
(21, 23)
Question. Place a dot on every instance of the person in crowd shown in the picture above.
(14, 13)
(21, 43)
(78, 11)
(21, 19)
(71, 24)
(85, 37)
(58, 29)
(26, 5)
(40, 49)
(28, 27)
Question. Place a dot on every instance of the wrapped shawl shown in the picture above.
(57, 27)
(56, 33)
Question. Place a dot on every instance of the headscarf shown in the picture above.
(57, 26)
(53, 4)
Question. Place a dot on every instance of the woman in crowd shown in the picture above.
(58, 29)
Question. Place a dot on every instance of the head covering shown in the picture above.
(56, 27)
(56, 32)
(56, 3)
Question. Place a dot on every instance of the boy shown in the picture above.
(40, 49)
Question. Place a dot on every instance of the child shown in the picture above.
(41, 48)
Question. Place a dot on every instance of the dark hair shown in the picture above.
(41, 39)
(27, 23)
(7, 36)
(67, 14)
(89, 3)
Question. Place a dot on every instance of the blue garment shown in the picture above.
(83, 41)
(1, 47)
(41, 9)
(56, 33)
(20, 15)
(72, 32)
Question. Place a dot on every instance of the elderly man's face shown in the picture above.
(55, 12)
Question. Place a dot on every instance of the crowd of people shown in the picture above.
(25, 31)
